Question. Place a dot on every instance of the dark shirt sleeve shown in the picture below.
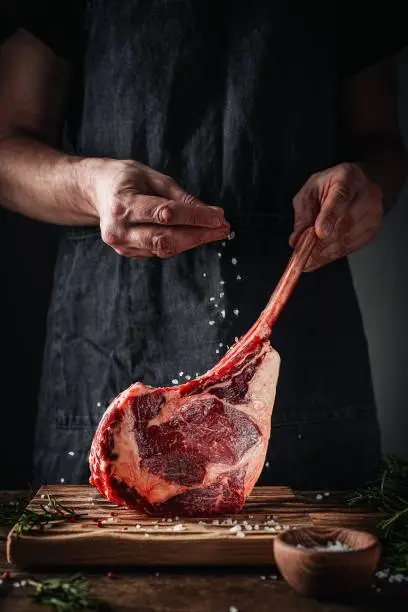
(369, 32)
(60, 26)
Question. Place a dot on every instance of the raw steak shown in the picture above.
(197, 449)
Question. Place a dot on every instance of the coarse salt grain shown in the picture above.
(219, 254)
(146, 535)
(217, 351)
(212, 299)
(62, 479)
(234, 261)
(211, 322)
(326, 493)
(181, 373)
(235, 529)
(267, 464)
(231, 235)
(263, 577)
(222, 282)
(223, 243)
(236, 312)
(223, 314)
(221, 294)
(71, 453)
(335, 546)
(187, 377)
(220, 344)
(179, 527)
(174, 381)
(319, 496)
(98, 404)
(239, 277)
(233, 609)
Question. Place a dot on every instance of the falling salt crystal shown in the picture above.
(239, 277)
(240, 534)
(223, 314)
(273, 577)
(176, 518)
(196, 374)
(233, 609)
(212, 299)
(223, 243)
(138, 527)
(326, 493)
(256, 527)
(43, 496)
(71, 453)
(219, 254)
(16, 584)
(220, 344)
(227, 346)
(216, 305)
(236, 312)
(211, 322)
(62, 480)
(175, 381)
(181, 373)
(318, 496)
(187, 377)
(235, 529)
(217, 351)
(222, 294)
(98, 404)
(263, 577)
(231, 235)
(222, 282)
(23, 583)
(299, 436)
(267, 464)
(236, 338)
(378, 590)
(234, 261)
(204, 274)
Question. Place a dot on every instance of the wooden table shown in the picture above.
(181, 590)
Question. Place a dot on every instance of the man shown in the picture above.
(178, 113)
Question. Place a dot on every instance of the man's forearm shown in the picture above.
(385, 161)
(43, 183)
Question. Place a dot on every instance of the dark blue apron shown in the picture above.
(230, 102)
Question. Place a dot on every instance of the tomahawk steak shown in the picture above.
(197, 449)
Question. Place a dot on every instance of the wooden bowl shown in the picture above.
(325, 574)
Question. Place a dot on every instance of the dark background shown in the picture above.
(28, 252)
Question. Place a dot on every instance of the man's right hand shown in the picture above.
(144, 213)
(141, 212)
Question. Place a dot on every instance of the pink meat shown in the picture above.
(197, 449)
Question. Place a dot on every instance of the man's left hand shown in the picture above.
(344, 206)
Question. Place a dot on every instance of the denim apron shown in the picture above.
(236, 101)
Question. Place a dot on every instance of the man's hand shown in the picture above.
(345, 208)
(144, 213)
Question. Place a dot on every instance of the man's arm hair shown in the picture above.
(371, 128)
(37, 179)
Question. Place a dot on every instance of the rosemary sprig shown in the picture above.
(388, 494)
(11, 511)
(67, 595)
(24, 519)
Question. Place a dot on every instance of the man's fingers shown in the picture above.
(357, 236)
(333, 209)
(136, 208)
(306, 208)
(167, 188)
(165, 242)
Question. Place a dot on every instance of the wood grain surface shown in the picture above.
(182, 589)
(109, 535)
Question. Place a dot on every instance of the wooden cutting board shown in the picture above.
(110, 535)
